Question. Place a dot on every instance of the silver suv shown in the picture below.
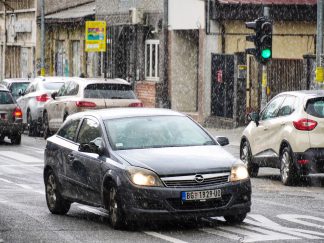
(10, 117)
(34, 98)
(287, 134)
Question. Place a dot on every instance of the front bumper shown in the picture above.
(315, 156)
(165, 203)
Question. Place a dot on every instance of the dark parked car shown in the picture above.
(16, 86)
(143, 163)
(10, 117)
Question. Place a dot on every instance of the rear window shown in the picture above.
(315, 107)
(16, 87)
(52, 86)
(5, 98)
(109, 91)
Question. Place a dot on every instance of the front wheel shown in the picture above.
(55, 202)
(235, 219)
(16, 139)
(46, 129)
(30, 125)
(288, 170)
(246, 157)
(116, 213)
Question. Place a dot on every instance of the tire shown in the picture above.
(55, 202)
(235, 219)
(246, 157)
(116, 213)
(16, 139)
(30, 125)
(288, 171)
(46, 130)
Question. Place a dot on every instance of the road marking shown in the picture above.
(164, 237)
(296, 218)
(93, 210)
(25, 186)
(34, 148)
(20, 157)
(4, 180)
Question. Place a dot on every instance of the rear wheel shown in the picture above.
(16, 139)
(116, 213)
(55, 202)
(235, 219)
(288, 170)
(31, 125)
(46, 130)
(246, 157)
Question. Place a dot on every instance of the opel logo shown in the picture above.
(199, 178)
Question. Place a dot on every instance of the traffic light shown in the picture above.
(262, 39)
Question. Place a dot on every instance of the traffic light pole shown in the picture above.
(264, 81)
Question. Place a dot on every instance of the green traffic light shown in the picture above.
(266, 53)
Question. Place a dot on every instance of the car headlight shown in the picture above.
(143, 177)
(239, 172)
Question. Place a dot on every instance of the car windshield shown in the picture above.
(5, 98)
(109, 91)
(16, 87)
(52, 85)
(155, 132)
(315, 107)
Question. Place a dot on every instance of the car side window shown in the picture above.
(63, 90)
(73, 89)
(271, 110)
(89, 131)
(69, 130)
(288, 106)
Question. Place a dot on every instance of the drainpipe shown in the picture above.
(42, 7)
(165, 86)
(4, 46)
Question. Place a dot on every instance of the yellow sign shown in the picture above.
(319, 74)
(95, 39)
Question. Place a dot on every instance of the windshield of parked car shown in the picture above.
(155, 132)
(15, 88)
(52, 86)
(5, 98)
(315, 107)
(109, 91)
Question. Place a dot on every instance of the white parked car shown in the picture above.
(33, 99)
(287, 134)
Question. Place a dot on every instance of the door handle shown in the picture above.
(70, 157)
(283, 123)
(265, 128)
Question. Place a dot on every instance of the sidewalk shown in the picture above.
(234, 135)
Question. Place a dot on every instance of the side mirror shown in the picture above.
(21, 92)
(222, 141)
(53, 95)
(95, 146)
(254, 116)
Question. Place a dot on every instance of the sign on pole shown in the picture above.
(95, 36)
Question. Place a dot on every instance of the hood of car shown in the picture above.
(180, 160)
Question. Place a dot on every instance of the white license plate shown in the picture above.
(201, 195)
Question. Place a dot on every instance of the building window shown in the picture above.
(152, 60)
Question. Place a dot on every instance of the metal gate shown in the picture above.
(222, 79)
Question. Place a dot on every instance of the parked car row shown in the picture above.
(45, 102)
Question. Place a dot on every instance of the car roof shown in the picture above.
(115, 113)
(103, 80)
(305, 93)
(54, 79)
(18, 80)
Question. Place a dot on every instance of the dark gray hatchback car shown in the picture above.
(143, 163)
(10, 117)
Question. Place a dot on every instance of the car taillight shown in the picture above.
(17, 113)
(85, 104)
(136, 104)
(305, 124)
(42, 98)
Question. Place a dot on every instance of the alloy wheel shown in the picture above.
(51, 191)
(285, 160)
(113, 205)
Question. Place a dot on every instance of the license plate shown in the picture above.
(201, 195)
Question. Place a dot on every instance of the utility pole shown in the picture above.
(42, 8)
(264, 70)
(319, 73)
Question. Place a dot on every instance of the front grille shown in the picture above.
(192, 205)
(190, 181)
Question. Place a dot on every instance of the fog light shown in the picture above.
(145, 204)
(245, 198)
(303, 161)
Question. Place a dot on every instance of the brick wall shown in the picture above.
(146, 92)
